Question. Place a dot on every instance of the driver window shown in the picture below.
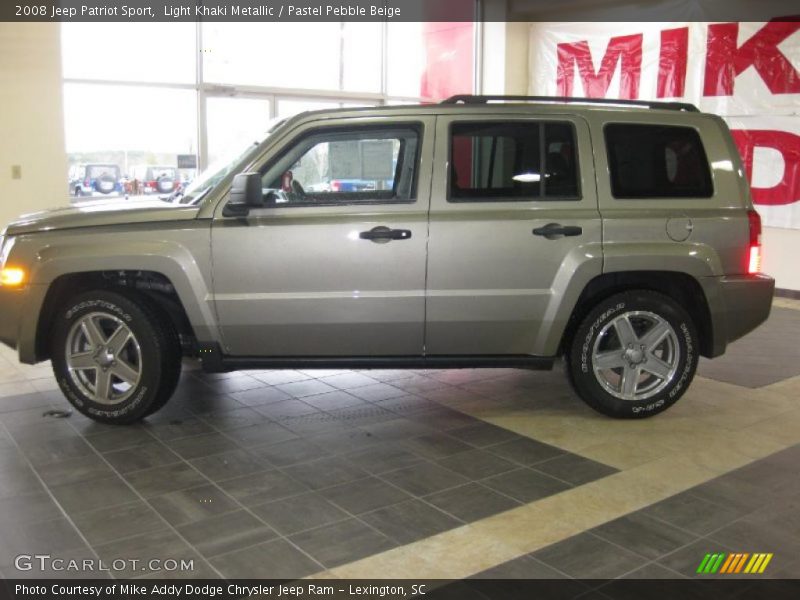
(346, 166)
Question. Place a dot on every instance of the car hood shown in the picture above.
(94, 214)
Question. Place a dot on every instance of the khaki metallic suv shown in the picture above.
(480, 232)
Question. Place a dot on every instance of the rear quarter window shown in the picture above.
(657, 161)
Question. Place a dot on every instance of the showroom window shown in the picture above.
(233, 123)
(130, 127)
(657, 161)
(186, 95)
(346, 166)
(512, 162)
(146, 52)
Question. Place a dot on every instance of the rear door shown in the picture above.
(513, 211)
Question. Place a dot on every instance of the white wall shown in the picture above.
(31, 119)
(780, 258)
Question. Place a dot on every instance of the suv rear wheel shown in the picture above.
(116, 357)
(634, 354)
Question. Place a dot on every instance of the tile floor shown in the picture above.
(437, 474)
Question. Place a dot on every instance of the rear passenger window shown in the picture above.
(657, 161)
(501, 162)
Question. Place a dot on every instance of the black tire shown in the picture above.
(172, 375)
(106, 181)
(159, 361)
(165, 185)
(641, 305)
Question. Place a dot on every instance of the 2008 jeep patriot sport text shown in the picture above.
(620, 235)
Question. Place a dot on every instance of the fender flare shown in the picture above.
(169, 259)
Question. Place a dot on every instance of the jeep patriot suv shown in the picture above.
(484, 232)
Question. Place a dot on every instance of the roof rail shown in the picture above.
(470, 99)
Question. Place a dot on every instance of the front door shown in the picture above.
(334, 264)
(513, 213)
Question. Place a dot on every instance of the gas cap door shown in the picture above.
(679, 228)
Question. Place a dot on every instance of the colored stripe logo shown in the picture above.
(735, 562)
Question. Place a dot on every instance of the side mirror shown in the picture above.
(245, 194)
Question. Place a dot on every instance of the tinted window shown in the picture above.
(657, 161)
(505, 162)
(346, 166)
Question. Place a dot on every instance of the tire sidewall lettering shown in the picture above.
(95, 304)
(688, 361)
(147, 385)
(583, 376)
(589, 339)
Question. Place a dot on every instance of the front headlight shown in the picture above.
(10, 275)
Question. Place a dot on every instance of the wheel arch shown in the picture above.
(681, 287)
(155, 286)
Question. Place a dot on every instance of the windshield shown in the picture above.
(219, 169)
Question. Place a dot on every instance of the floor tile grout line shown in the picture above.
(530, 556)
(278, 537)
(647, 559)
(350, 516)
(675, 550)
(369, 525)
(160, 516)
(356, 516)
(689, 491)
(50, 494)
(120, 506)
(389, 483)
(237, 502)
(252, 514)
(697, 537)
(318, 491)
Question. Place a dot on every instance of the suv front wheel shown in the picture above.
(115, 356)
(633, 355)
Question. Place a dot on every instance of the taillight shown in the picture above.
(336, 186)
(754, 258)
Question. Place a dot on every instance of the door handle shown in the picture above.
(384, 234)
(553, 231)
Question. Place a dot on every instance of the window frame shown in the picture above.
(610, 162)
(542, 123)
(353, 198)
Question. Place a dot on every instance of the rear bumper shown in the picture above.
(738, 304)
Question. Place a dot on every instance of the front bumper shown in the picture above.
(738, 304)
(19, 316)
(11, 303)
